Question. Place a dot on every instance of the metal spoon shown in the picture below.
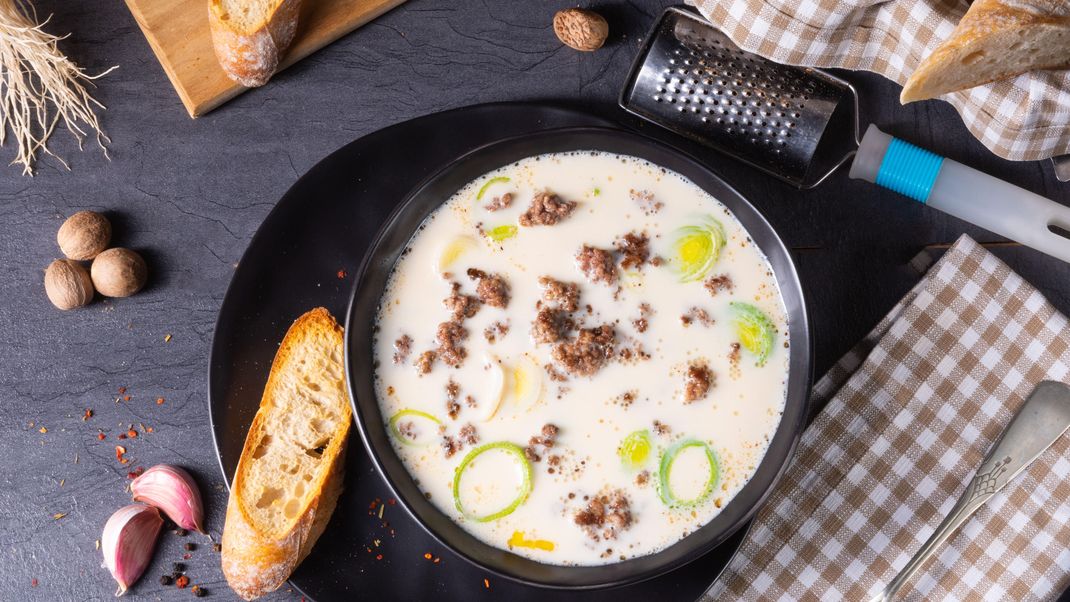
(1040, 421)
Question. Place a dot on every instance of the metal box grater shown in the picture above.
(795, 123)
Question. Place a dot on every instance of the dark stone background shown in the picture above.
(190, 194)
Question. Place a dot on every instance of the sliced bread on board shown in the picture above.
(289, 476)
(995, 39)
(251, 36)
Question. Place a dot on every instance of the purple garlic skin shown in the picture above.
(174, 492)
(128, 542)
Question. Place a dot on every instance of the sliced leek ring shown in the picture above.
(525, 383)
(409, 413)
(525, 485)
(696, 248)
(669, 458)
(452, 251)
(502, 232)
(495, 387)
(755, 330)
(488, 184)
(634, 450)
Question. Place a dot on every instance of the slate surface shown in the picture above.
(190, 194)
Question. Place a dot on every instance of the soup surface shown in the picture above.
(581, 357)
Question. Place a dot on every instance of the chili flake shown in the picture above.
(122, 390)
(87, 414)
(101, 435)
(486, 583)
(58, 515)
(43, 430)
(167, 338)
(131, 433)
(33, 582)
(427, 556)
(378, 556)
(182, 582)
(119, 452)
(159, 401)
(341, 274)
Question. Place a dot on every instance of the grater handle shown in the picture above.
(964, 192)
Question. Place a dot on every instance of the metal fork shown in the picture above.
(1040, 421)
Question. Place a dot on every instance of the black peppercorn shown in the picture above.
(166, 580)
(199, 591)
(178, 567)
(190, 547)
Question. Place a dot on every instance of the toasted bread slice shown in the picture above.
(251, 36)
(289, 476)
(995, 39)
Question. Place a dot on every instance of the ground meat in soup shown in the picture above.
(643, 322)
(450, 334)
(698, 382)
(634, 249)
(402, 348)
(468, 434)
(491, 288)
(550, 326)
(605, 515)
(546, 209)
(696, 314)
(588, 352)
(597, 265)
(562, 295)
(460, 305)
(717, 284)
(500, 202)
(495, 330)
(453, 391)
(425, 362)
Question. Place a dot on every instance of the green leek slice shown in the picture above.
(755, 330)
(409, 413)
(488, 184)
(503, 232)
(695, 249)
(634, 449)
(667, 460)
(525, 486)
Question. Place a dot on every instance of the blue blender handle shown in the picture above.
(964, 192)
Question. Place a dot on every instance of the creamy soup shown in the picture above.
(581, 357)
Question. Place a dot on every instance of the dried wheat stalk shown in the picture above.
(40, 87)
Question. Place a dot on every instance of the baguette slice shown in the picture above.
(289, 476)
(251, 36)
(995, 39)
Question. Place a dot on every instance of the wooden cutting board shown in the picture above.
(178, 32)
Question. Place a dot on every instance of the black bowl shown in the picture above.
(374, 273)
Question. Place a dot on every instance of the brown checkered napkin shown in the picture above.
(1024, 119)
(910, 414)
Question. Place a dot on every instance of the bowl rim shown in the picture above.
(800, 374)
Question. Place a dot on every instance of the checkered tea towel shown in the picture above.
(1024, 119)
(909, 415)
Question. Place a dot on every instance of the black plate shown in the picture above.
(322, 225)
(392, 241)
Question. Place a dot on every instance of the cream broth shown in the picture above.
(591, 497)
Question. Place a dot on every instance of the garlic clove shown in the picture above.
(128, 542)
(173, 491)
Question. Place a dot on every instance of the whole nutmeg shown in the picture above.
(67, 284)
(84, 235)
(119, 272)
(581, 29)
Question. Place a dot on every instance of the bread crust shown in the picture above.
(256, 562)
(989, 28)
(250, 58)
